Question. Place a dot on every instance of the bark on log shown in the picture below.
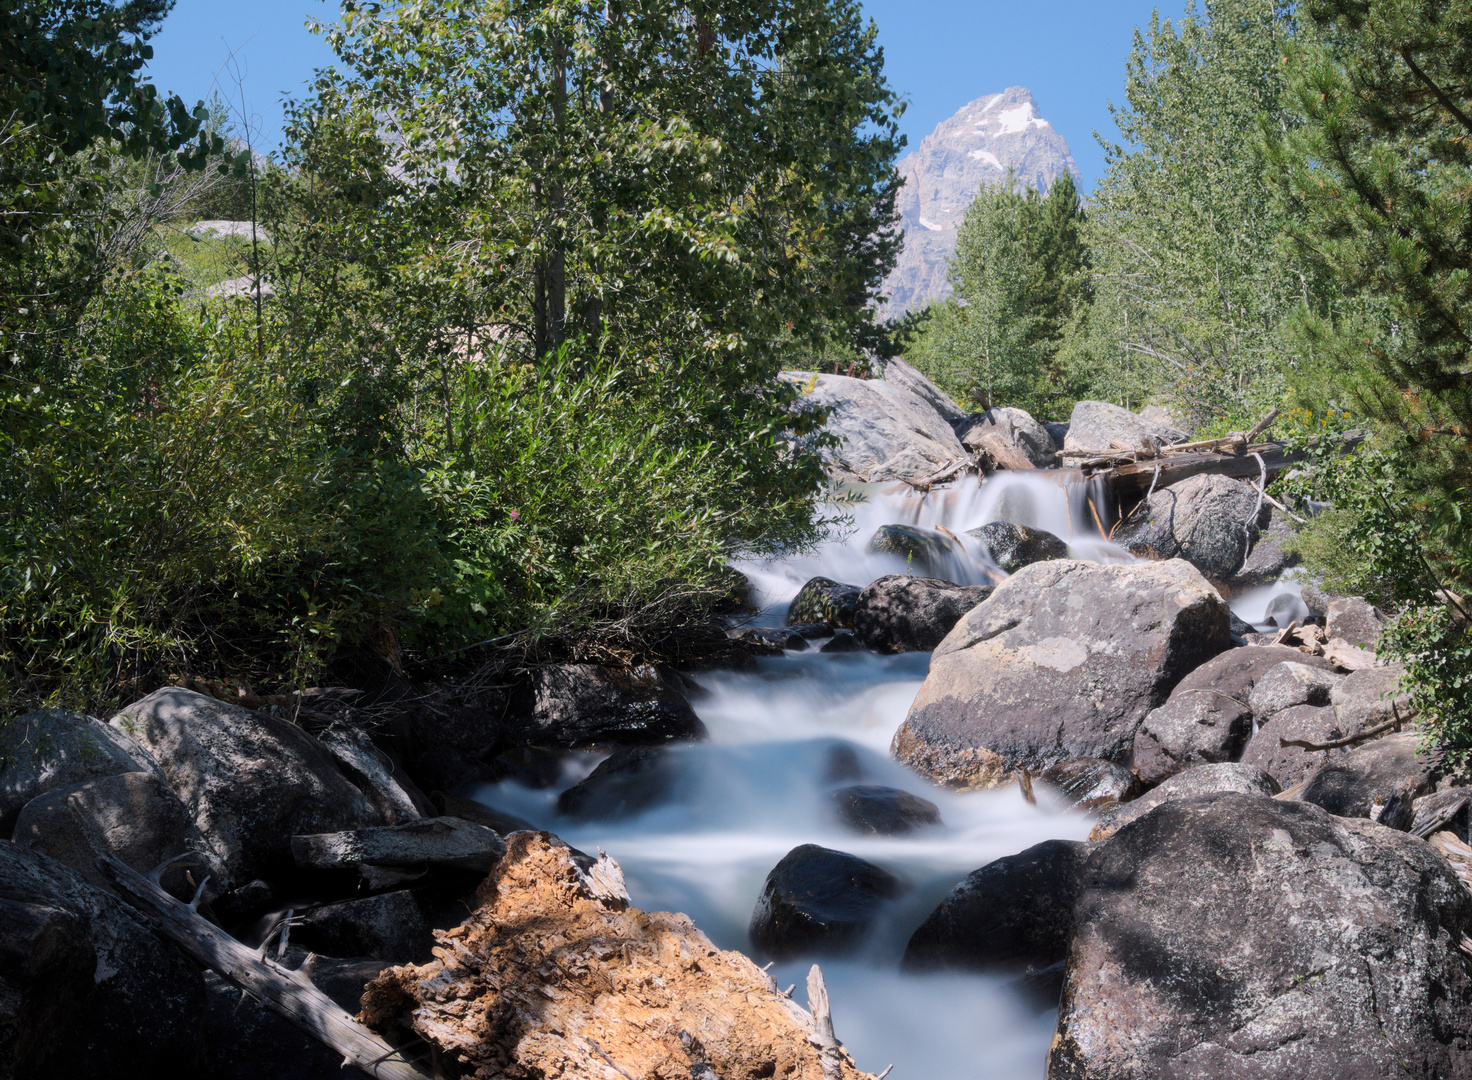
(289, 993)
(1136, 476)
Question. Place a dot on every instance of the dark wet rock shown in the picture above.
(843, 641)
(52, 748)
(1091, 783)
(883, 811)
(1289, 765)
(1208, 520)
(1062, 661)
(1354, 621)
(898, 613)
(1237, 936)
(1241, 629)
(1014, 546)
(1057, 432)
(1267, 561)
(770, 640)
(448, 769)
(133, 817)
(627, 783)
(1289, 684)
(823, 600)
(449, 842)
(819, 902)
(84, 982)
(249, 781)
(925, 551)
(1370, 775)
(843, 764)
(810, 631)
(481, 814)
(530, 766)
(1285, 609)
(1014, 912)
(1370, 697)
(390, 926)
(1227, 776)
(583, 705)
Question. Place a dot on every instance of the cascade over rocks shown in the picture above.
(583, 705)
(1014, 912)
(1097, 425)
(1233, 776)
(1210, 521)
(51, 748)
(1063, 660)
(898, 613)
(249, 781)
(1014, 546)
(822, 600)
(885, 431)
(527, 987)
(924, 550)
(817, 901)
(1237, 936)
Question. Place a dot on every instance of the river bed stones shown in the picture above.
(577, 706)
(823, 600)
(1063, 660)
(1238, 936)
(1210, 521)
(899, 613)
(819, 902)
(1290, 765)
(1013, 546)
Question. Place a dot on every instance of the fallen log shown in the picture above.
(1133, 477)
(285, 992)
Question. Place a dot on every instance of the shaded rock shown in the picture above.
(249, 781)
(1011, 438)
(133, 817)
(898, 613)
(1090, 783)
(904, 375)
(393, 796)
(770, 640)
(390, 926)
(885, 431)
(1062, 661)
(1014, 546)
(924, 550)
(1057, 432)
(448, 769)
(810, 631)
(1237, 936)
(52, 748)
(1288, 765)
(450, 842)
(1226, 776)
(1267, 561)
(1208, 520)
(1097, 425)
(843, 641)
(1371, 696)
(84, 981)
(1291, 684)
(1371, 774)
(817, 901)
(1198, 727)
(1354, 621)
(1014, 912)
(629, 782)
(1285, 609)
(883, 811)
(589, 959)
(530, 766)
(478, 812)
(823, 600)
(583, 705)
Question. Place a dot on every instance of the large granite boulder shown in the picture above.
(885, 431)
(823, 600)
(1371, 774)
(905, 376)
(1289, 765)
(1291, 684)
(1013, 546)
(819, 901)
(1238, 936)
(1210, 521)
(1354, 621)
(1371, 696)
(1011, 438)
(1014, 912)
(1097, 425)
(249, 781)
(1063, 660)
(583, 705)
(899, 613)
(52, 748)
(1213, 779)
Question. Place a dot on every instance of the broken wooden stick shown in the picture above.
(1348, 740)
(285, 992)
(823, 1037)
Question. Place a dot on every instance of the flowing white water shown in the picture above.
(780, 737)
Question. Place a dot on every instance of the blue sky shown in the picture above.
(939, 53)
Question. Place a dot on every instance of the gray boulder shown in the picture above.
(1210, 521)
(1290, 684)
(1010, 437)
(883, 811)
(885, 431)
(393, 795)
(390, 926)
(1289, 765)
(1012, 546)
(899, 613)
(583, 705)
(906, 377)
(925, 551)
(1197, 727)
(1371, 696)
(822, 600)
(1372, 774)
(52, 748)
(249, 781)
(1237, 936)
(1014, 912)
(1062, 661)
(1097, 425)
(133, 817)
(1267, 561)
(1226, 776)
(1354, 621)
(246, 287)
(440, 841)
(817, 901)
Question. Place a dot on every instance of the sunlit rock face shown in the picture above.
(943, 175)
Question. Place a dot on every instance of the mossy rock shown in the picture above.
(1014, 546)
(823, 600)
(924, 550)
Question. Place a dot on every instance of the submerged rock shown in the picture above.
(1210, 521)
(823, 600)
(883, 811)
(1237, 936)
(819, 902)
(898, 613)
(628, 782)
(1014, 546)
(1062, 661)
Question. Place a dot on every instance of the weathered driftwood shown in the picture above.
(286, 992)
(925, 483)
(1348, 740)
(1434, 823)
(1133, 473)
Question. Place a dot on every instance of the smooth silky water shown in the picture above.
(784, 735)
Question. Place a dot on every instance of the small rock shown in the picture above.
(1011, 438)
(393, 795)
(629, 782)
(912, 614)
(1014, 912)
(1291, 684)
(1233, 776)
(823, 600)
(582, 705)
(1289, 765)
(1014, 546)
(1369, 774)
(390, 926)
(1286, 609)
(925, 551)
(52, 748)
(818, 901)
(1355, 621)
(810, 631)
(480, 814)
(1090, 783)
(1195, 727)
(883, 811)
(842, 764)
(449, 842)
